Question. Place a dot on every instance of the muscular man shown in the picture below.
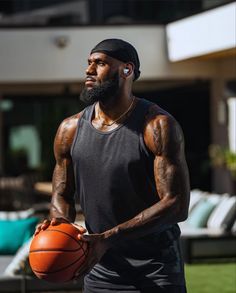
(123, 157)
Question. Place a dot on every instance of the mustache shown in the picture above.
(101, 92)
(90, 78)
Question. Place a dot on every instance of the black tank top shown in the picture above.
(113, 170)
(114, 181)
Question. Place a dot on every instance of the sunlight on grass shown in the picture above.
(211, 278)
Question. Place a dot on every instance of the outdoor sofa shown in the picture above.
(210, 230)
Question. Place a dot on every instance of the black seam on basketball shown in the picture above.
(61, 269)
(86, 250)
(86, 253)
(55, 230)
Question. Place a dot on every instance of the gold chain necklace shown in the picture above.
(117, 119)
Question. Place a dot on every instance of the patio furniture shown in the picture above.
(210, 230)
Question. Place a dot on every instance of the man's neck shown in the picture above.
(108, 117)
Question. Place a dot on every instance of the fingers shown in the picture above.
(37, 230)
(56, 221)
(41, 226)
(81, 229)
(45, 224)
(82, 237)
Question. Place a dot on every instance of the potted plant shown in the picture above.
(224, 157)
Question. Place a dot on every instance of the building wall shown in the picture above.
(31, 55)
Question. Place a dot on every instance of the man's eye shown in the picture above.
(101, 63)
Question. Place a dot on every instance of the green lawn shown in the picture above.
(211, 278)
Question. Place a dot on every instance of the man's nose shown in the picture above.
(91, 69)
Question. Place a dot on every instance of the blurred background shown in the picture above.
(187, 51)
(187, 54)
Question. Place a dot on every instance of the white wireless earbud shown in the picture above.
(126, 71)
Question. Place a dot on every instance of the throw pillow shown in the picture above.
(195, 197)
(200, 213)
(15, 215)
(224, 214)
(14, 233)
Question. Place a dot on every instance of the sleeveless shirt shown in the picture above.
(114, 181)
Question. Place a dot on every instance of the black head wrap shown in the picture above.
(120, 50)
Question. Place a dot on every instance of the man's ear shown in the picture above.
(128, 69)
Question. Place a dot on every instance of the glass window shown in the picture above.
(28, 130)
(92, 12)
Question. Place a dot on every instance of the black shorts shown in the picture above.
(163, 289)
(146, 265)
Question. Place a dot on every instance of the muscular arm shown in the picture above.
(163, 136)
(63, 185)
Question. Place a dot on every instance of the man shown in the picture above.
(124, 158)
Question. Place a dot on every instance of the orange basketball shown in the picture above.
(56, 253)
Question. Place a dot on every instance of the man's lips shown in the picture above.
(90, 80)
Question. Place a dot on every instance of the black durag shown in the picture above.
(120, 50)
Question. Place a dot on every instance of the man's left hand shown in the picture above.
(97, 246)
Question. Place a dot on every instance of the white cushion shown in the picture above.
(195, 196)
(190, 231)
(19, 261)
(16, 215)
(214, 198)
(223, 214)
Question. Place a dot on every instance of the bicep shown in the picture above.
(170, 168)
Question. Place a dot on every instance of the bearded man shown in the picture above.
(123, 157)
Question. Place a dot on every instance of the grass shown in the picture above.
(211, 278)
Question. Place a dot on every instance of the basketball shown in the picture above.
(56, 253)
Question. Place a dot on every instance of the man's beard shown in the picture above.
(103, 92)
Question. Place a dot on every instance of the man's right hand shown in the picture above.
(56, 221)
